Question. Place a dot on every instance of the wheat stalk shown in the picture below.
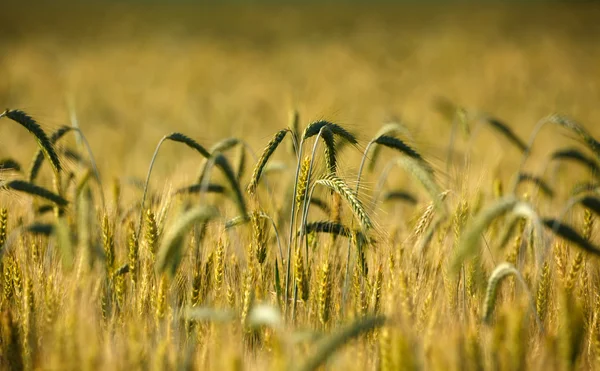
(175, 137)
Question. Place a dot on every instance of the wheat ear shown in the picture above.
(392, 129)
(264, 158)
(34, 190)
(502, 271)
(39, 156)
(568, 233)
(507, 132)
(573, 154)
(340, 187)
(34, 128)
(170, 252)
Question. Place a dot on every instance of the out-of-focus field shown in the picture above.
(132, 74)
(405, 273)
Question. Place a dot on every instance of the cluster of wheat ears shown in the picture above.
(227, 274)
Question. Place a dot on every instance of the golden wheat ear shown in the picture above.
(339, 186)
(264, 158)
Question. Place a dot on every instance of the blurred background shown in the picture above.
(130, 73)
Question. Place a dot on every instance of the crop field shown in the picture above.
(275, 187)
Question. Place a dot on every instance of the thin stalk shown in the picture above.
(306, 192)
(142, 204)
(299, 151)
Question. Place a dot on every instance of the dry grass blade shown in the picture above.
(506, 131)
(38, 159)
(329, 345)
(336, 184)
(34, 190)
(264, 158)
(568, 233)
(170, 252)
(34, 128)
(470, 237)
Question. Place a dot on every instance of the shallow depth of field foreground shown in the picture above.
(315, 187)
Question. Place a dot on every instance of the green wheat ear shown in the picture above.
(34, 128)
(39, 156)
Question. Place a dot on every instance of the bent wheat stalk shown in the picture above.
(502, 271)
(176, 137)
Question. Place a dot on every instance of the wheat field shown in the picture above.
(306, 187)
